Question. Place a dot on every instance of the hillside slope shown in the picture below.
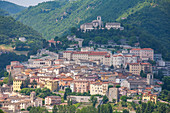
(11, 7)
(11, 30)
(56, 17)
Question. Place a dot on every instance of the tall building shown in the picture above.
(113, 94)
(135, 68)
(150, 79)
(143, 54)
(98, 88)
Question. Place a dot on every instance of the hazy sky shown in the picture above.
(27, 2)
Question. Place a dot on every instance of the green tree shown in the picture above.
(93, 100)
(65, 96)
(117, 86)
(105, 99)
(138, 110)
(29, 108)
(125, 111)
(143, 107)
(123, 98)
(149, 107)
(22, 86)
(1, 111)
(113, 100)
(5, 81)
(55, 110)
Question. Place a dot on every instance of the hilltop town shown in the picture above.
(83, 76)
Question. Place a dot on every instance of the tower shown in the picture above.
(99, 19)
(32, 96)
(150, 79)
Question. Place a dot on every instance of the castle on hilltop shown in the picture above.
(98, 24)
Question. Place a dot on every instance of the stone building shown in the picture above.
(52, 100)
(93, 25)
(135, 68)
(144, 53)
(113, 93)
(113, 26)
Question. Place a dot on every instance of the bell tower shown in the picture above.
(150, 79)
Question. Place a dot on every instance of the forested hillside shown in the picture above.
(11, 30)
(146, 19)
(56, 17)
(11, 7)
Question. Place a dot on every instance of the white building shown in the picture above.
(123, 59)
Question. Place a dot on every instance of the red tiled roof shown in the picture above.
(68, 51)
(51, 41)
(19, 66)
(142, 49)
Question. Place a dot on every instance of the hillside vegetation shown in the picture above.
(11, 30)
(55, 18)
(11, 7)
(146, 19)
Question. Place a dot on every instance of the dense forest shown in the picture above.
(11, 7)
(55, 18)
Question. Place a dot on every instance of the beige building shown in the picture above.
(98, 88)
(149, 97)
(143, 54)
(17, 84)
(103, 57)
(52, 100)
(135, 68)
(113, 94)
(123, 59)
(80, 86)
(113, 26)
(51, 84)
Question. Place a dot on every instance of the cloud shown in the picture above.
(27, 2)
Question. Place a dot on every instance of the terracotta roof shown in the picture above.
(142, 49)
(51, 41)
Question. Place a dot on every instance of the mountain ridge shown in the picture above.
(11, 8)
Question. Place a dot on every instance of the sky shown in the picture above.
(27, 3)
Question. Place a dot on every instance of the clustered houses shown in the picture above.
(82, 72)
(13, 103)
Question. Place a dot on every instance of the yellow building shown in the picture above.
(17, 84)
(100, 88)
(149, 97)
(51, 84)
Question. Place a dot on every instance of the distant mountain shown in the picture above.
(11, 7)
(55, 18)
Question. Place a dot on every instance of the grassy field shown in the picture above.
(4, 47)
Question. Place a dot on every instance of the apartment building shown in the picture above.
(123, 59)
(103, 57)
(80, 86)
(52, 100)
(143, 54)
(149, 97)
(135, 68)
(51, 84)
(98, 88)
(17, 84)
